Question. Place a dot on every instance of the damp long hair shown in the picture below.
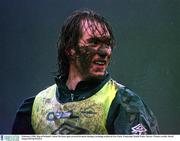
(70, 34)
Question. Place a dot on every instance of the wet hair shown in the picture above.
(71, 32)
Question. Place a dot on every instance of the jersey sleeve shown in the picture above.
(129, 114)
(22, 122)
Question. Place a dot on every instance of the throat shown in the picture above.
(73, 78)
(72, 83)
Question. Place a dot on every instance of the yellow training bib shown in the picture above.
(79, 117)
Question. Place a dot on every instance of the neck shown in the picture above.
(73, 78)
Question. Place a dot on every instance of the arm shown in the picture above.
(22, 122)
(128, 114)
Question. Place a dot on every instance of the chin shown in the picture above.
(98, 75)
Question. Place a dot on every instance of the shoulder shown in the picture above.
(22, 121)
(127, 99)
(44, 96)
(124, 94)
(131, 101)
(26, 105)
(127, 95)
(47, 92)
(135, 108)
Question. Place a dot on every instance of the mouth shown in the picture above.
(100, 62)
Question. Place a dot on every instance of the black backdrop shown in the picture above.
(146, 58)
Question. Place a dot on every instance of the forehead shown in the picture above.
(91, 28)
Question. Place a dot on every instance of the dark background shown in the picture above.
(146, 58)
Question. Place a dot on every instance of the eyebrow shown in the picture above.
(99, 39)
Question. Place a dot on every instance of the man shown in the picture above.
(85, 99)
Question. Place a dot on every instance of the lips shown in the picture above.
(99, 62)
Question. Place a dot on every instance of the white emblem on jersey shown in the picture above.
(139, 129)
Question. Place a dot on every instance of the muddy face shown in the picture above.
(92, 56)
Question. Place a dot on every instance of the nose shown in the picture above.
(104, 51)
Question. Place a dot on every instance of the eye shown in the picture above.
(108, 42)
(93, 42)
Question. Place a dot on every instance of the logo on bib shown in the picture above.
(52, 116)
(67, 128)
(139, 130)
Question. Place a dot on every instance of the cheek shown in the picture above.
(110, 52)
(86, 55)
